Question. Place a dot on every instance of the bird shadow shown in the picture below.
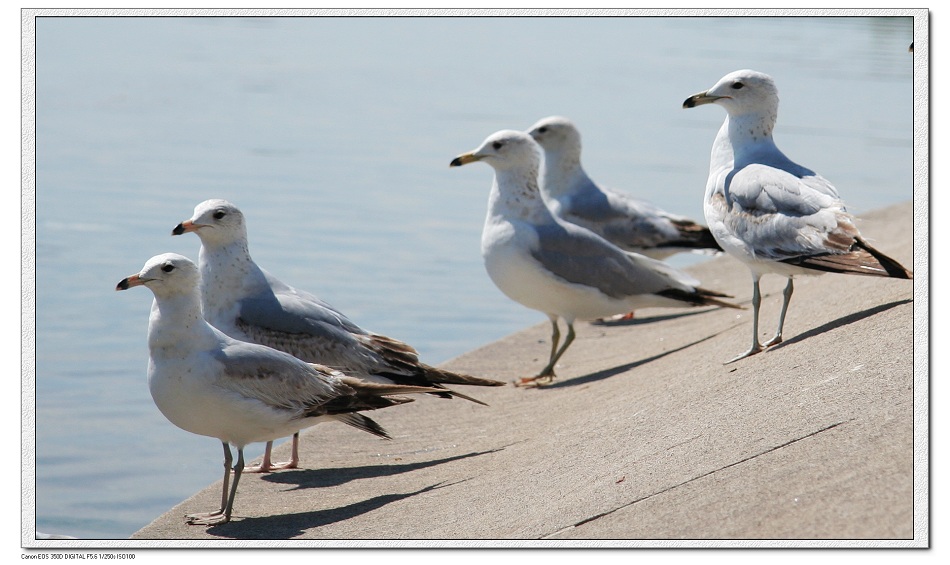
(619, 323)
(288, 526)
(840, 322)
(336, 476)
(607, 373)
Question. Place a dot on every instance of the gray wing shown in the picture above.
(580, 256)
(780, 215)
(276, 379)
(632, 223)
(303, 310)
(283, 382)
(299, 323)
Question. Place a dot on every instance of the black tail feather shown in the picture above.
(700, 297)
(893, 268)
(860, 259)
(695, 236)
(364, 423)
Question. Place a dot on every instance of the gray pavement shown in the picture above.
(645, 437)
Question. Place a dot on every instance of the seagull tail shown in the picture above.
(436, 375)
(405, 368)
(368, 395)
(369, 389)
(426, 376)
(892, 267)
(700, 297)
(364, 423)
(709, 297)
(859, 259)
(397, 354)
(365, 395)
(449, 393)
(695, 237)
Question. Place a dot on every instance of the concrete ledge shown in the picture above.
(645, 436)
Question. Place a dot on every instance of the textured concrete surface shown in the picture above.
(646, 435)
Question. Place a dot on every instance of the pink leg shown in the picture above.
(267, 466)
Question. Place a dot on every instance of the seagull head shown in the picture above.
(740, 92)
(215, 222)
(165, 275)
(505, 149)
(556, 134)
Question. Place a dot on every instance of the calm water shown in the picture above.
(334, 136)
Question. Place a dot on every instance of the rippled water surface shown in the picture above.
(334, 136)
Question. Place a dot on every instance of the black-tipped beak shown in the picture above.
(700, 99)
(129, 282)
(464, 160)
(185, 227)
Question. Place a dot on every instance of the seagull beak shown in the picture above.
(700, 99)
(185, 227)
(129, 282)
(465, 159)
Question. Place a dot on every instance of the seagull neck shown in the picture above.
(515, 194)
(227, 273)
(562, 171)
(176, 322)
(234, 248)
(749, 134)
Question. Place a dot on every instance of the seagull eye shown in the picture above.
(497, 145)
(168, 268)
(542, 129)
(219, 214)
(737, 85)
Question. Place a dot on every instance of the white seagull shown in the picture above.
(249, 304)
(560, 268)
(627, 222)
(209, 384)
(770, 213)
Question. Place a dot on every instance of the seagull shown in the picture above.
(629, 223)
(559, 268)
(249, 304)
(210, 384)
(769, 212)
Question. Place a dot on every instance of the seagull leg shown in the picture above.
(223, 516)
(294, 454)
(567, 341)
(203, 517)
(546, 376)
(787, 293)
(756, 301)
(548, 371)
(292, 464)
(266, 466)
(238, 468)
